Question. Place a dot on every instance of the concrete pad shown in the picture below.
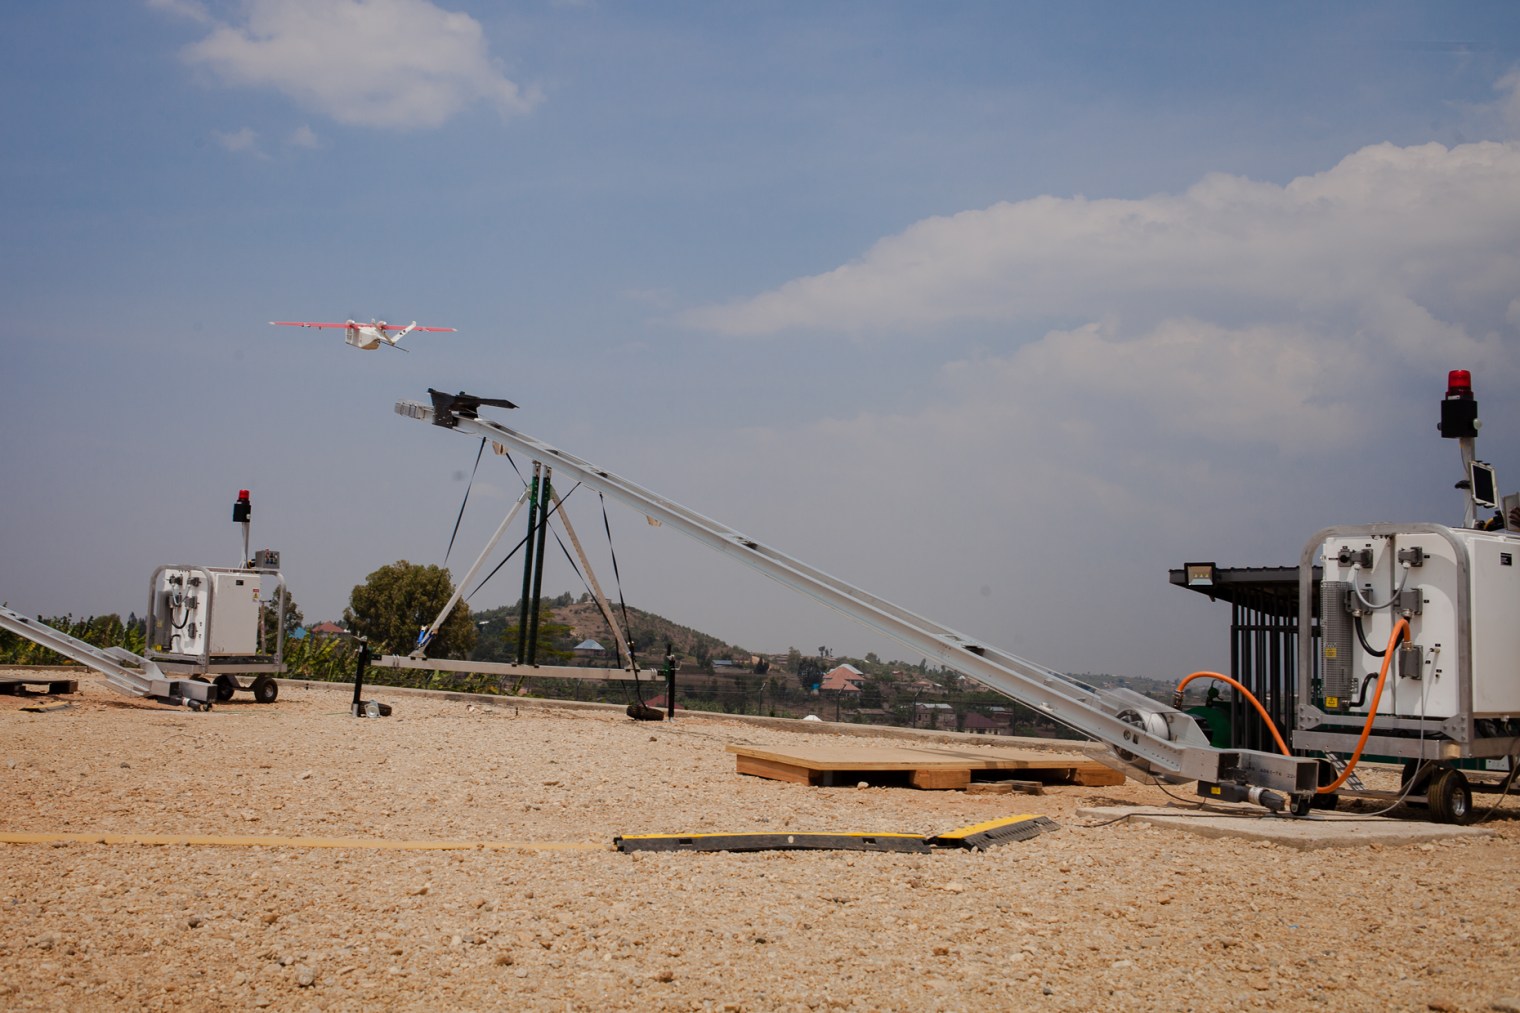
(1307, 833)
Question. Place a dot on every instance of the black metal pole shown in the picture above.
(359, 669)
(538, 567)
(527, 585)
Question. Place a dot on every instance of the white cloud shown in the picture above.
(1426, 223)
(1508, 88)
(1220, 372)
(382, 63)
(303, 137)
(1069, 473)
(238, 140)
(191, 10)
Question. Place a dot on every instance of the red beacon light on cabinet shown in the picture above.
(1459, 409)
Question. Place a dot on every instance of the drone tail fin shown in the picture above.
(396, 341)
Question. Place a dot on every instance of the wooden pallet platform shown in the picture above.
(928, 767)
(12, 686)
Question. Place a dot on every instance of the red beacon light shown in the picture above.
(1459, 409)
(1458, 384)
(242, 510)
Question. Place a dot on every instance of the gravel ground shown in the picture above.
(1118, 916)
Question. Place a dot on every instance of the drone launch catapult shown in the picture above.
(1147, 737)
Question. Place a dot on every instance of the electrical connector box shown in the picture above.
(205, 612)
(1459, 589)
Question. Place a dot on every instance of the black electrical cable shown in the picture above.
(1362, 636)
(1361, 697)
(467, 489)
(505, 560)
(521, 542)
(632, 659)
(584, 582)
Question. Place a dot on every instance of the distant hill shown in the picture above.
(564, 623)
(716, 675)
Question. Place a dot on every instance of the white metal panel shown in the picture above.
(1436, 630)
(233, 624)
(1495, 564)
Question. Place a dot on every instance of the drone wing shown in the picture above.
(303, 323)
(413, 327)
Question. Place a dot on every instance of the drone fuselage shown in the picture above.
(367, 338)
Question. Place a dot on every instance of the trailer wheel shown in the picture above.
(1450, 798)
(265, 689)
(1416, 779)
(226, 685)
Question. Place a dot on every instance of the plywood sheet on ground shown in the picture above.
(930, 767)
(13, 686)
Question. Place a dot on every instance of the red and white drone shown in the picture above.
(365, 336)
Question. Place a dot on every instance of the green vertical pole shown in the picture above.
(538, 568)
(527, 585)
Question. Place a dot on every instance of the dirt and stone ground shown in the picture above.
(1117, 916)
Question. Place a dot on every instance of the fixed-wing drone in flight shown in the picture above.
(365, 336)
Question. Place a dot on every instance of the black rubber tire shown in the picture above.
(1409, 784)
(226, 685)
(1450, 798)
(265, 689)
(1327, 775)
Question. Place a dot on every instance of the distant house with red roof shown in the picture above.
(326, 630)
(845, 678)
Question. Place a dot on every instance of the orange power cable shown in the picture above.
(1400, 629)
(1248, 695)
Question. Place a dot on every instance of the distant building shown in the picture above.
(933, 715)
(326, 630)
(589, 650)
(978, 724)
(845, 678)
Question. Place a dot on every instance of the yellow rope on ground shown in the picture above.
(206, 840)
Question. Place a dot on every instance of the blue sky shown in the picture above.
(998, 310)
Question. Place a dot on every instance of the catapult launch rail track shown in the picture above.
(124, 670)
(1145, 734)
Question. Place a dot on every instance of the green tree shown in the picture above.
(399, 600)
(269, 610)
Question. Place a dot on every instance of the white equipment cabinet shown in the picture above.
(206, 622)
(1454, 686)
(203, 611)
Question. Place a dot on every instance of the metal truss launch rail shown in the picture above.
(1144, 733)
